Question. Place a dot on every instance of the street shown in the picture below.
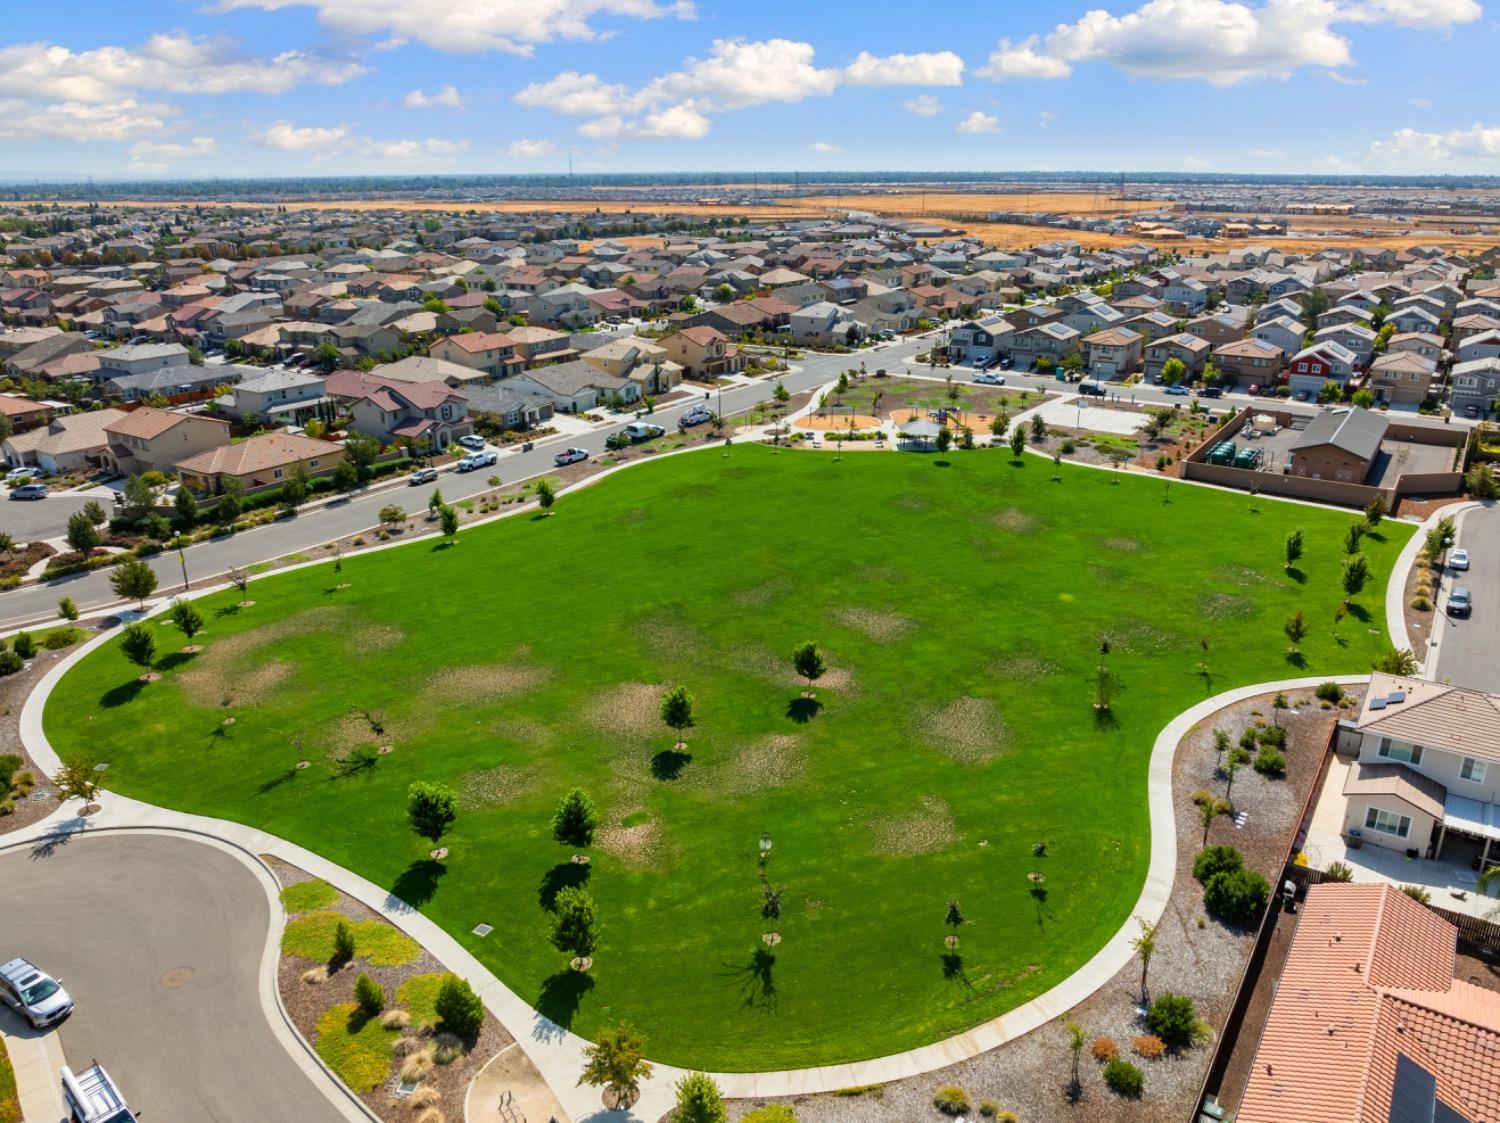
(159, 940)
(1469, 649)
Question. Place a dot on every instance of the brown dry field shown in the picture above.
(937, 203)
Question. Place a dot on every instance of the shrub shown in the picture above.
(1173, 1018)
(343, 942)
(10, 764)
(1202, 797)
(1338, 871)
(458, 1008)
(699, 1100)
(426, 1096)
(447, 1049)
(771, 1113)
(25, 645)
(1104, 1049)
(1417, 893)
(1329, 691)
(1270, 762)
(1124, 1079)
(1272, 735)
(59, 638)
(369, 994)
(395, 1019)
(1236, 896)
(950, 1099)
(10, 662)
(1148, 1045)
(1216, 859)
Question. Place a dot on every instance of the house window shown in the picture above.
(1400, 751)
(447, 412)
(1472, 770)
(312, 463)
(1387, 822)
(276, 473)
(1301, 366)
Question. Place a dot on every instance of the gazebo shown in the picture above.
(918, 435)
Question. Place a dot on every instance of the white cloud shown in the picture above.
(935, 68)
(1045, 118)
(1268, 153)
(923, 105)
(1409, 147)
(83, 121)
(575, 95)
(978, 122)
(174, 63)
(513, 26)
(1021, 60)
(171, 150)
(402, 151)
(1421, 103)
(1217, 41)
(675, 122)
(1193, 164)
(824, 147)
(286, 137)
(530, 149)
(446, 98)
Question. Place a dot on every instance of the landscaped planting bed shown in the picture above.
(962, 603)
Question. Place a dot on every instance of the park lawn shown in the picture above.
(10, 1098)
(961, 604)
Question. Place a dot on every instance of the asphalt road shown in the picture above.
(1469, 649)
(111, 917)
(31, 520)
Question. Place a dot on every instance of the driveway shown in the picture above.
(35, 520)
(160, 941)
(1469, 650)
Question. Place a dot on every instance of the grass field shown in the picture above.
(961, 606)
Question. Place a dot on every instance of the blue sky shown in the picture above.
(195, 88)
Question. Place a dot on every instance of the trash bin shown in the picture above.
(1355, 838)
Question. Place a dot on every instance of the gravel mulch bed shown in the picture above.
(14, 690)
(306, 1003)
(1195, 956)
(1419, 622)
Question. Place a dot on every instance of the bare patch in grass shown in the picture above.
(484, 683)
(673, 640)
(1013, 519)
(492, 787)
(1137, 636)
(375, 638)
(1226, 606)
(356, 730)
(967, 729)
(632, 707)
(1122, 544)
(219, 673)
(926, 830)
(883, 627)
(637, 847)
(771, 763)
(1023, 666)
(758, 596)
(778, 669)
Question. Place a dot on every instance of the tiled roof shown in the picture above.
(257, 454)
(1404, 783)
(146, 423)
(1434, 713)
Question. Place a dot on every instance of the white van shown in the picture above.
(92, 1097)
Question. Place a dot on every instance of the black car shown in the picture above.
(1092, 389)
(1211, 392)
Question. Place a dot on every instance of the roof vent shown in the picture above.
(1357, 967)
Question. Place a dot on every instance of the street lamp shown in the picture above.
(765, 846)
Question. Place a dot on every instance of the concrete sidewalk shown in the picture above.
(37, 1057)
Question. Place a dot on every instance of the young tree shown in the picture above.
(1356, 574)
(239, 579)
(431, 809)
(24, 645)
(616, 1061)
(140, 497)
(781, 393)
(998, 425)
(1017, 442)
(343, 942)
(575, 820)
(345, 476)
(1172, 371)
(1106, 687)
(944, 439)
(1293, 548)
(187, 507)
(138, 645)
(699, 1100)
(78, 780)
(808, 661)
(1075, 1047)
(1353, 535)
(1401, 662)
(392, 515)
(133, 580)
(1208, 811)
(67, 609)
(1145, 948)
(296, 489)
(459, 1010)
(186, 616)
(1376, 511)
(677, 710)
(435, 501)
(546, 494)
(83, 536)
(369, 994)
(1296, 629)
(574, 928)
(954, 918)
(1038, 428)
(448, 520)
(1480, 482)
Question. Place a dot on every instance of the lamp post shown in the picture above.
(765, 847)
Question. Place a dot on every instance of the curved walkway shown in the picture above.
(557, 1053)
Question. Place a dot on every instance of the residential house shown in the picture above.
(1338, 444)
(1248, 362)
(1152, 325)
(70, 443)
(140, 358)
(640, 360)
(1358, 341)
(1192, 351)
(1112, 353)
(1218, 329)
(1401, 377)
(1093, 317)
(1311, 367)
(491, 353)
(1416, 318)
(979, 341)
(264, 460)
(23, 413)
(279, 397)
(154, 440)
(1485, 345)
(426, 414)
(1418, 343)
(505, 408)
(31, 361)
(425, 368)
(1476, 387)
(826, 323)
(575, 386)
(1052, 339)
(702, 353)
(540, 346)
(1282, 331)
(1368, 1023)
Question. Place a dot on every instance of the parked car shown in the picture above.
(1459, 559)
(32, 993)
(1212, 392)
(472, 441)
(987, 378)
(1005, 362)
(1091, 389)
(1471, 411)
(92, 1097)
(1460, 602)
(697, 415)
(477, 460)
(570, 456)
(29, 491)
(17, 475)
(643, 431)
(1178, 390)
(422, 476)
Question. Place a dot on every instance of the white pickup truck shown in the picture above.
(92, 1097)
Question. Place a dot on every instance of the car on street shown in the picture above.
(1460, 602)
(697, 415)
(1212, 392)
(15, 475)
(1091, 389)
(93, 1097)
(570, 456)
(472, 441)
(988, 378)
(32, 993)
(643, 431)
(1458, 559)
(29, 491)
(1178, 390)
(422, 476)
(477, 460)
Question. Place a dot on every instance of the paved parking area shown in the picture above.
(33, 520)
(160, 939)
(1068, 414)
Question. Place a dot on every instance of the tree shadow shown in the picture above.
(1296, 575)
(669, 763)
(446, 544)
(417, 884)
(55, 839)
(275, 781)
(1297, 659)
(1039, 898)
(564, 875)
(953, 970)
(942, 464)
(356, 765)
(562, 995)
(1208, 679)
(1359, 612)
(173, 659)
(1106, 720)
(803, 710)
(122, 694)
(758, 981)
(228, 610)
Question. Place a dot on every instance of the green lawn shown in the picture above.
(961, 607)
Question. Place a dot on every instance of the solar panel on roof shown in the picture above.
(1377, 703)
(1396, 696)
